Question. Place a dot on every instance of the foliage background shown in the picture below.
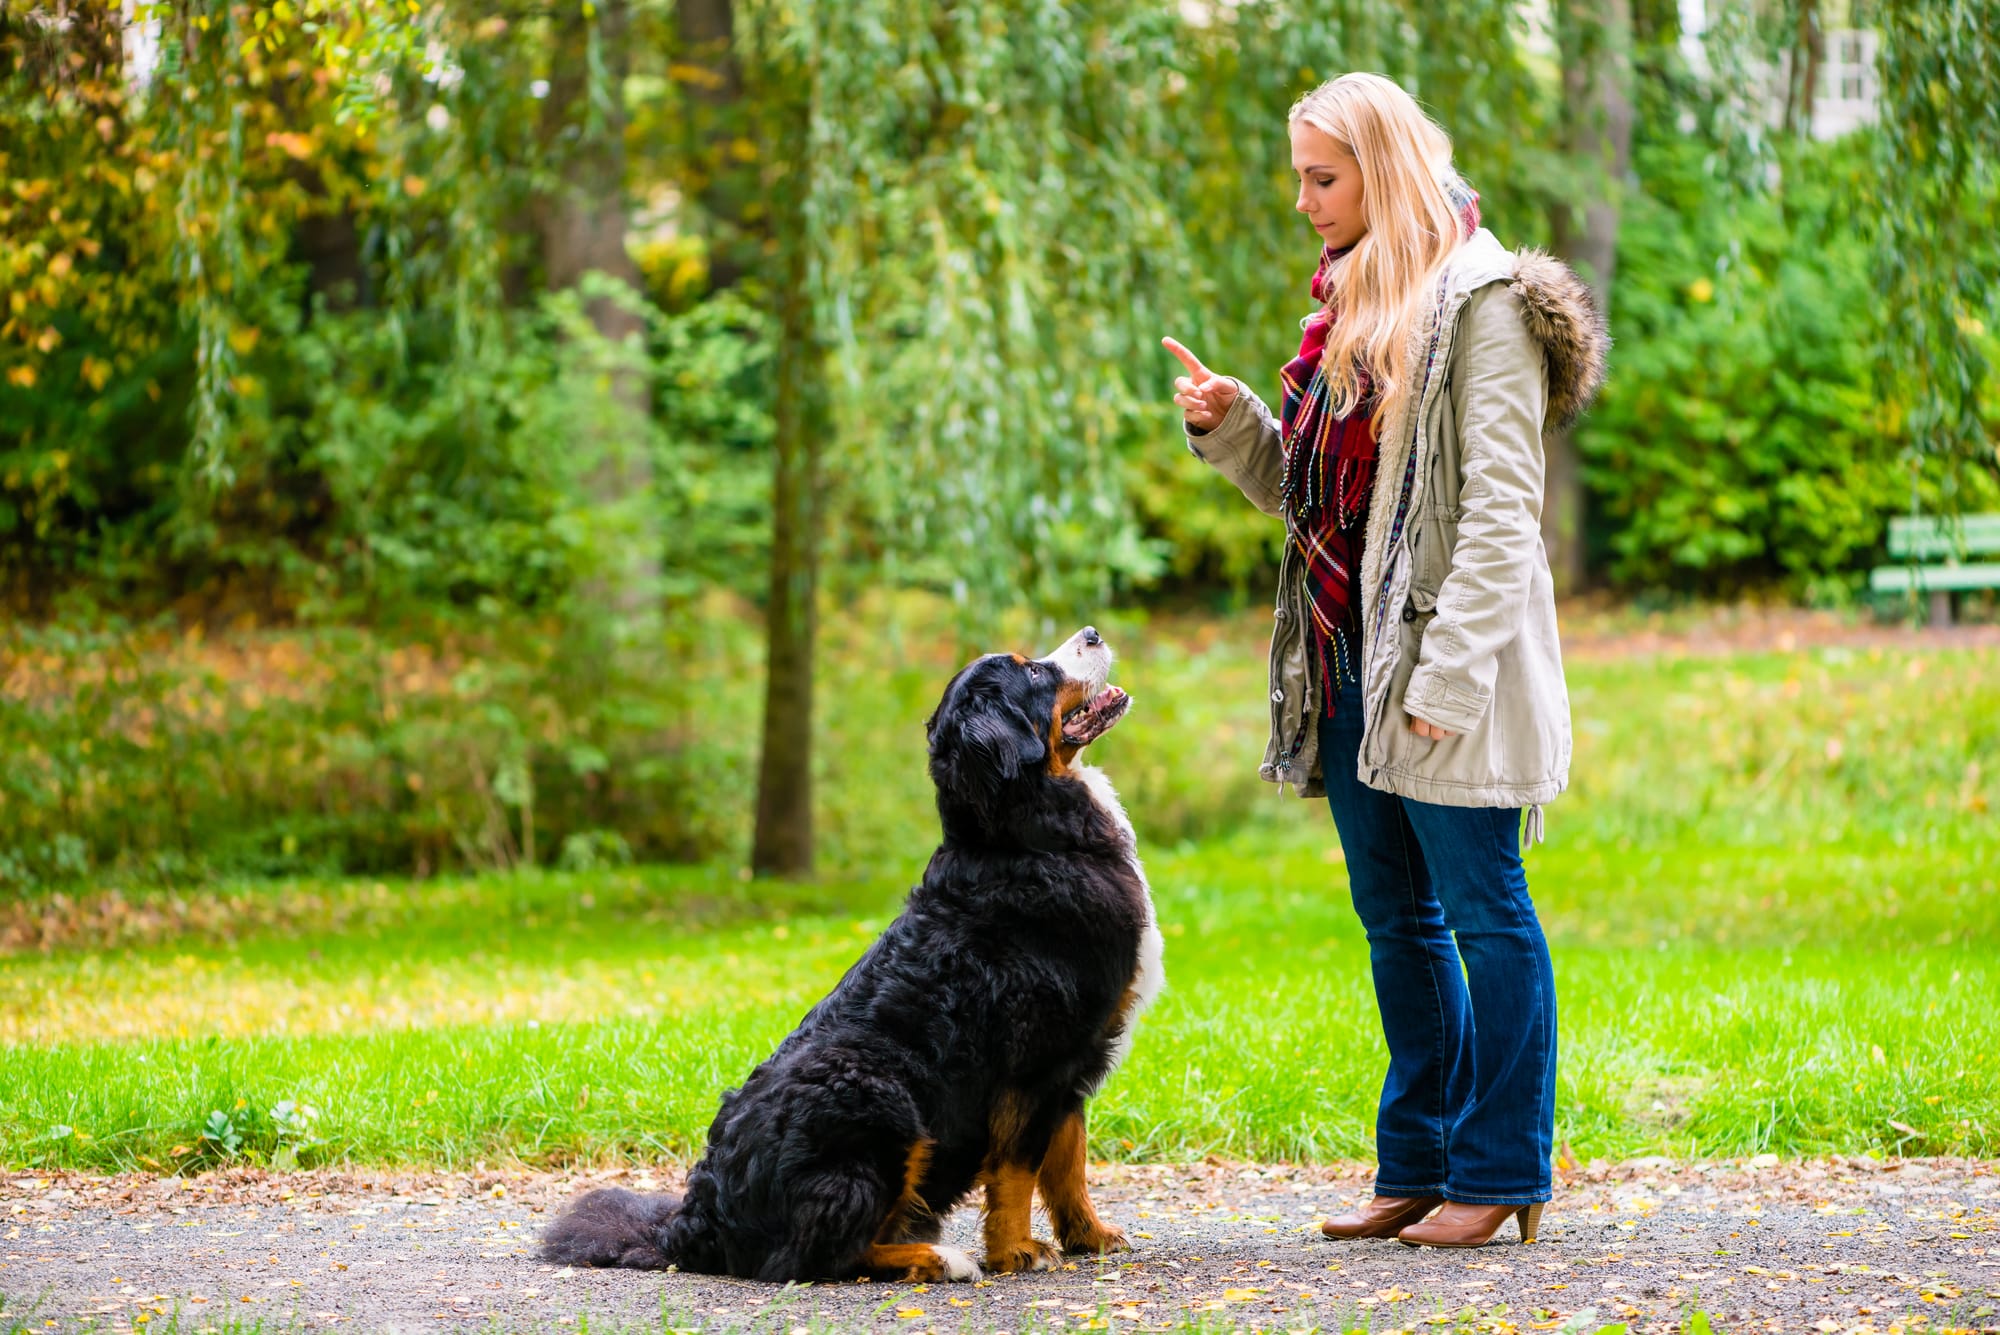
(304, 443)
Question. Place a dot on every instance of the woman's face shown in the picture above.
(1329, 186)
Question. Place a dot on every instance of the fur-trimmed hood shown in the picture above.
(1562, 315)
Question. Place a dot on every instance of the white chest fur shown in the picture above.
(1149, 975)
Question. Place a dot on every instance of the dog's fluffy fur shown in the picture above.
(959, 1051)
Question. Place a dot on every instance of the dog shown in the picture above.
(959, 1051)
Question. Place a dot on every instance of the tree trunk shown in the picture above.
(783, 844)
(723, 180)
(1596, 42)
(1810, 52)
(582, 223)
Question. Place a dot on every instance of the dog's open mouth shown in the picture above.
(1094, 717)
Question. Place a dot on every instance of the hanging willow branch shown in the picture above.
(201, 55)
(1012, 202)
(1939, 169)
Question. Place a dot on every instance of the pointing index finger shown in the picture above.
(1187, 359)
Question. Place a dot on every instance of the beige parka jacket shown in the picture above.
(1458, 619)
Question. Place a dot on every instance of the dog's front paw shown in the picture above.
(1031, 1254)
(1097, 1240)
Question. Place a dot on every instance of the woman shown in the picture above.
(1416, 679)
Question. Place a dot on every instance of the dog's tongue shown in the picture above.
(1104, 709)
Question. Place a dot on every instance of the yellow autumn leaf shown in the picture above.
(698, 76)
(1240, 1295)
(909, 1313)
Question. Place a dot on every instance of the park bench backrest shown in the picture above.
(1929, 537)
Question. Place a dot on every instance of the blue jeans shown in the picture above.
(1468, 1106)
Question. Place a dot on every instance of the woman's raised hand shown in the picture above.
(1204, 397)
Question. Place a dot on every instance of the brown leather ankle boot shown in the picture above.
(1382, 1217)
(1461, 1225)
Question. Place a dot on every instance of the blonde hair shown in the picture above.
(1412, 229)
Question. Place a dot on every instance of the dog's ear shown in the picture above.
(981, 746)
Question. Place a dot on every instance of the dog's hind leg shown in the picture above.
(1067, 1197)
(838, 1220)
(919, 1262)
(913, 1218)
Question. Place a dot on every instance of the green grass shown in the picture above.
(1773, 895)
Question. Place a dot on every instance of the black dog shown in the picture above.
(959, 1050)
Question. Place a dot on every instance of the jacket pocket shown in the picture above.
(1433, 537)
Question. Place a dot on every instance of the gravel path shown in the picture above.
(1830, 1245)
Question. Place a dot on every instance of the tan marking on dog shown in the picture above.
(1011, 1246)
(1063, 753)
(910, 1205)
(1005, 1122)
(1066, 1194)
(1122, 1012)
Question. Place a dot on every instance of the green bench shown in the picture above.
(1944, 545)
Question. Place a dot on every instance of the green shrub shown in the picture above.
(1739, 441)
(141, 754)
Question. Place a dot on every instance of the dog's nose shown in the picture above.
(1091, 637)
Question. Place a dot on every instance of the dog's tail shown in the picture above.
(613, 1227)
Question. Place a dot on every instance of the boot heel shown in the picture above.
(1529, 1217)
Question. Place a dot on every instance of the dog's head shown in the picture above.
(1006, 720)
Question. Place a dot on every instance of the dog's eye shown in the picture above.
(1034, 673)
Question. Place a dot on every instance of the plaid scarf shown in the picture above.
(1329, 471)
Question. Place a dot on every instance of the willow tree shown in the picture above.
(1595, 39)
(970, 221)
(1939, 202)
(983, 216)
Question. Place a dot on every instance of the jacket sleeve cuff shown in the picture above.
(1223, 436)
(1245, 447)
(1444, 703)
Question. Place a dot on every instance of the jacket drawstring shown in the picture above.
(1537, 834)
